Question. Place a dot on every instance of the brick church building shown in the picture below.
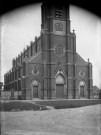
(50, 67)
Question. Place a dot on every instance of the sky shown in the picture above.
(21, 25)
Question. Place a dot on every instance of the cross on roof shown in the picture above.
(73, 30)
(88, 59)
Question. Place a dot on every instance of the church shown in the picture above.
(50, 67)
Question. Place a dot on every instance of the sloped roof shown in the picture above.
(80, 60)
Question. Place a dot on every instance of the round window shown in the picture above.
(81, 73)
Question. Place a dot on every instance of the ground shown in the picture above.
(71, 121)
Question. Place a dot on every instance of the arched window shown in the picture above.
(81, 83)
(35, 83)
(60, 79)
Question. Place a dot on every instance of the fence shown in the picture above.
(6, 95)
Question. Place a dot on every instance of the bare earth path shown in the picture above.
(77, 121)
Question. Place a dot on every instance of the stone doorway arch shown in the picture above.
(60, 86)
(35, 89)
(82, 89)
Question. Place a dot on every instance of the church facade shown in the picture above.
(50, 67)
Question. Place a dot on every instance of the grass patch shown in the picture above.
(62, 104)
(42, 105)
(20, 106)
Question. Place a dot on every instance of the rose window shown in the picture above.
(59, 50)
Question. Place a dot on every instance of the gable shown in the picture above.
(80, 60)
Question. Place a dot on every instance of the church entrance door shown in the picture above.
(60, 81)
(35, 91)
(60, 91)
(81, 91)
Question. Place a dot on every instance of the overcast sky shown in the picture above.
(20, 26)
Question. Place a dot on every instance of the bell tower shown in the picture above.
(55, 18)
(58, 48)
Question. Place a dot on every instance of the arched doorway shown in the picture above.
(60, 86)
(82, 89)
(35, 86)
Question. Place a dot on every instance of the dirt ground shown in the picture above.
(74, 121)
